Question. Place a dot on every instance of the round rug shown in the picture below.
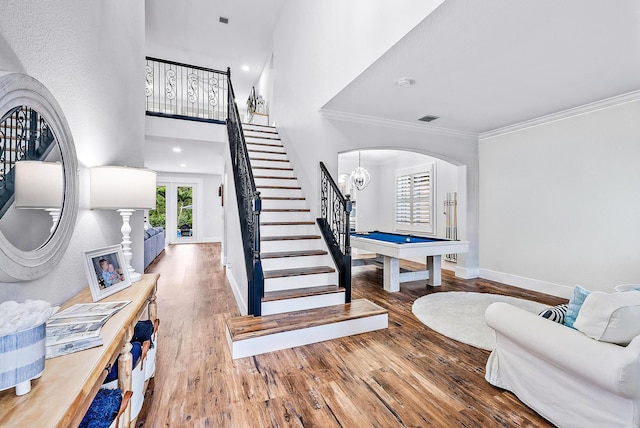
(460, 315)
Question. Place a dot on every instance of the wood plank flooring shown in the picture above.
(405, 376)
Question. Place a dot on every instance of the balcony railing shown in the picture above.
(183, 91)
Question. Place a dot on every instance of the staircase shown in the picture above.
(302, 301)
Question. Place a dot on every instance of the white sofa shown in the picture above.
(565, 376)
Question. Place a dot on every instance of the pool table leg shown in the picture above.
(434, 267)
(391, 274)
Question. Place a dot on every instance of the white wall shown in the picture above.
(560, 203)
(208, 217)
(318, 49)
(90, 55)
(264, 86)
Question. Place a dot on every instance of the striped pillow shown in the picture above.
(555, 314)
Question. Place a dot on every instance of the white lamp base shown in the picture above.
(126, 243)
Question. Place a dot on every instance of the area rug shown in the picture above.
(460, 315)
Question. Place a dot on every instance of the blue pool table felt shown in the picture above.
(396, 238)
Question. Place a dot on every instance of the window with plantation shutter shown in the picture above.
(414, 199)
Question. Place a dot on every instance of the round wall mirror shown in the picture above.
(38, 179)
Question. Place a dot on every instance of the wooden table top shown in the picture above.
(60, 397)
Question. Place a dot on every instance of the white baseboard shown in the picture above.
(242, 305)
(210, 239)
(527, 283)
(467, 273)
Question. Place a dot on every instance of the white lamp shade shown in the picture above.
(39, 185)
(121, 187)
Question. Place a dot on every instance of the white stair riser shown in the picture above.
(275, 181)
(249, 126)
(296, 262)
(259, 163)
(273, 172)
(285, 204)
(260, 145)
(285, 216)
(288, 230)
(302, 303)
(260, 119)
(290, 339)
(267, 155)
(285, 193)
(291, 245)
(302, 281)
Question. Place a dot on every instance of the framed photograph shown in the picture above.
(106, 271)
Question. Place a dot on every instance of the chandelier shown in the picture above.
(360, 178)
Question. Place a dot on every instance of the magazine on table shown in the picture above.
(91, 309)
(70, 347)
(71, 333)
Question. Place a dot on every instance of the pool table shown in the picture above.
(396, 246)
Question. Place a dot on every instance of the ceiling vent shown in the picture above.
(429, 118)
(224, 20)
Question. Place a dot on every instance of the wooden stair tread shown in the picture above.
(262, 137)
(274, 177)
(283, 198)
(279, 187)
(286, 210)
(311, 270)
(268, 159)
(255, 124)
(261, 130)
(300, 253)
(248, 326)
(271, 296)
(266, 151)
(287, 223)
(288, 237)
(263, 144)
(272, 168)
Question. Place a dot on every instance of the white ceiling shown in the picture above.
(189, 31)
(198, 157)
(485, 65)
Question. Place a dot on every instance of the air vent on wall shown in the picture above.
(224, 20)
(429, 118)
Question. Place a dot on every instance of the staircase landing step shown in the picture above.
(301, 292)
(301, 253)
(249, 327)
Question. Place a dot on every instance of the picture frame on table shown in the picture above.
(106, 271)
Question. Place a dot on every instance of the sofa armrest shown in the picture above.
(612, 367)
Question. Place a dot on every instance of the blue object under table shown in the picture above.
(396, 246)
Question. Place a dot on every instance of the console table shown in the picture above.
(62, 395)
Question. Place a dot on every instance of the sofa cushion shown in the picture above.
(613, 318)
(576, 301)
(556, 313)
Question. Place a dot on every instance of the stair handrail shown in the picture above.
(249, 204)
(335, 210)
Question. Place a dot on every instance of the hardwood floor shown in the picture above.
(405, 376)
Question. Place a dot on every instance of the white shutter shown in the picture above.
(414, 199)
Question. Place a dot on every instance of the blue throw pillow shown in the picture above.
(575, 303)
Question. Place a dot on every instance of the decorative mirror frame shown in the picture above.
(17, 265)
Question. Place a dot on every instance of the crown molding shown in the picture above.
(564, 114)
(396, 124)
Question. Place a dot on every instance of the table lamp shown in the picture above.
(123, 189)
(40, 185)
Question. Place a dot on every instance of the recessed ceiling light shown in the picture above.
(224, 20)
(183, 165)
(177, 149)
(245, 68)
(405, 82)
